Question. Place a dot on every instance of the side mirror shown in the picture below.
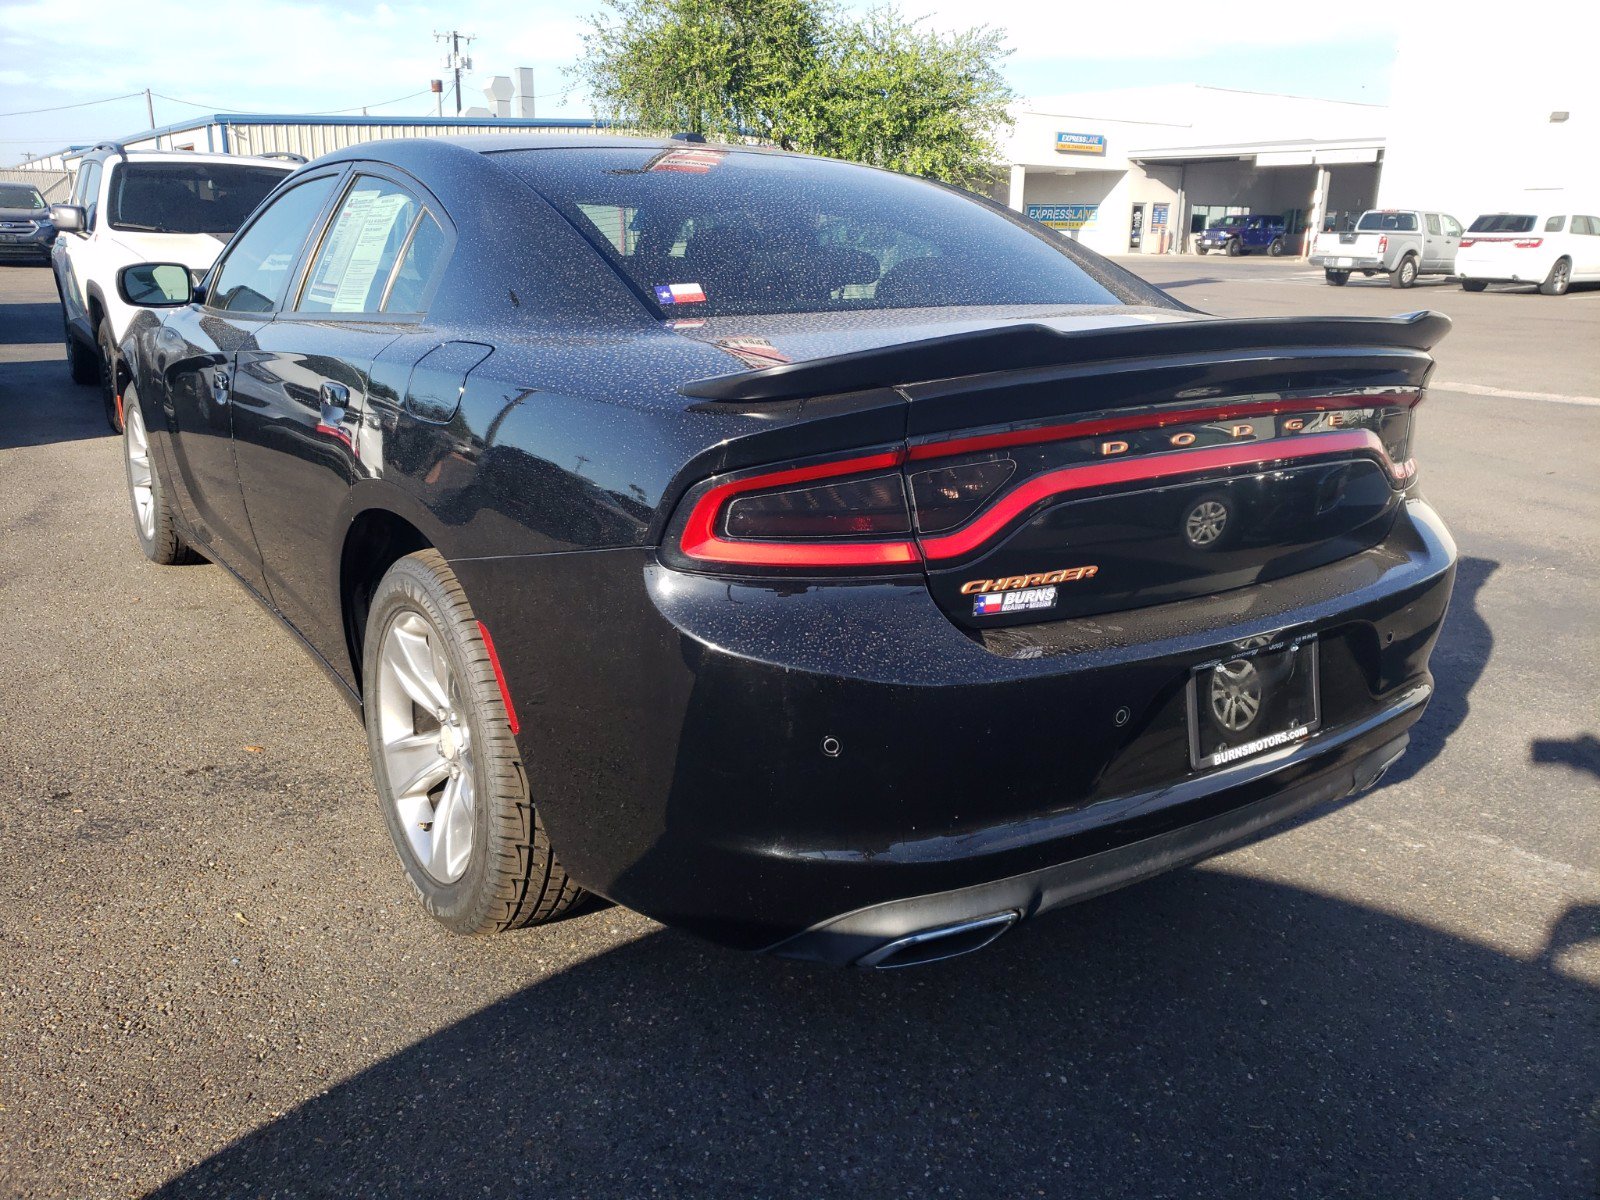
(68, 218)
(155, 285)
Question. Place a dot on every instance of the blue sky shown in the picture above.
(299, 56)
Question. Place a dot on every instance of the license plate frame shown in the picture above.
(1287, 685)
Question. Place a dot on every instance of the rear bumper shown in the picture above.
(1346, 262)
(1346, 767)
(753, 760)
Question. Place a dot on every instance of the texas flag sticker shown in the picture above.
(680, 293)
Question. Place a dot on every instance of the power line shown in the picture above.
(28, 112)
(245, 112)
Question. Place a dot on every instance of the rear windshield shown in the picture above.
(1502, 223)
(188, 197)
(1388, 222)
(16, 195)
(703, 232)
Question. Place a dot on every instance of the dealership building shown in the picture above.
(1137, 170)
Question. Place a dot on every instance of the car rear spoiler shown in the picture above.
(1019, 347)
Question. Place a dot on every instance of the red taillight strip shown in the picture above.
(1155, 420)
(1113, 471)
(701, 540)
(500, 678)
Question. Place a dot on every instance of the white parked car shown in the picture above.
(1551, 250)
(133, 206)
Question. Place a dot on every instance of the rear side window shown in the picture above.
(1388, 222)
(1557, 224)
(1433, 223)
(255, 275)
(1503, 223)
(378, 255)
(703, 232)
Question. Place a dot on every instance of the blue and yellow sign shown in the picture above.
(1081, 143)
(1064, 216)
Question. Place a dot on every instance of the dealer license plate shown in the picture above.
(1341, 262)
(1264, 699)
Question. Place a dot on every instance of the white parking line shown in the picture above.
(1480, 389)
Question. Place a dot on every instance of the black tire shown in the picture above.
(81, 361)
(1275, 247)
(1474, 285)
(1235, 248)
(161, 541)
(1559, 280)
(512, 877)
(1404, 273)
(1337, 278)
(108, 375)
(1199, 249)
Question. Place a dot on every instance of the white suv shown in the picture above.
(132, 206)
(1552, 251)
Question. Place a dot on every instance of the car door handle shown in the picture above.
(335, 399)
(220, 387)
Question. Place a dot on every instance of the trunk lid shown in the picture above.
(1083, 463)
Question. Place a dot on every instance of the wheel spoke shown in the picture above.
(416, 666)
(452, 830)
(412, 757)
(424, 778)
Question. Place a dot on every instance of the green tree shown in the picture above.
(721, 68)
(801, 74)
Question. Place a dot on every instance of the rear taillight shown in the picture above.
(1528, 243)
(944, 497)
(1465, 242)
(1383, 242)
(844, 513)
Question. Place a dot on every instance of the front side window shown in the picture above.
(88, 193)
(178, 197)
(1503, 223)
(1388, 222)
(1452, 227)
(371, 232)
(715, 232)
(1589, 226)
(255, 274)
(20, 195)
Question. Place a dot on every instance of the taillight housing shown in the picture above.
(843, 513)
(1465, 242)
(1528, 243)
(945, 497)
(1383, 243)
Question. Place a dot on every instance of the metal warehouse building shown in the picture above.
(252, 133)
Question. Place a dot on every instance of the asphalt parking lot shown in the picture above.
(213, 981)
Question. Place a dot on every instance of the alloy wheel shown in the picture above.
(426, 744)
(140, 481)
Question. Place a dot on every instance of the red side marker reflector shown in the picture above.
(500, 678)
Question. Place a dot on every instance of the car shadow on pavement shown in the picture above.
(1458, 662)
(1202, 1035)
(39, 404)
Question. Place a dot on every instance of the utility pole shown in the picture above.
(455, 60)
(150, 108)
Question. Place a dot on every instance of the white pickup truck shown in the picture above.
(130, 206)
(1402, 243)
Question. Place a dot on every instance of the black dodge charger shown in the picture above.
(822, 560)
